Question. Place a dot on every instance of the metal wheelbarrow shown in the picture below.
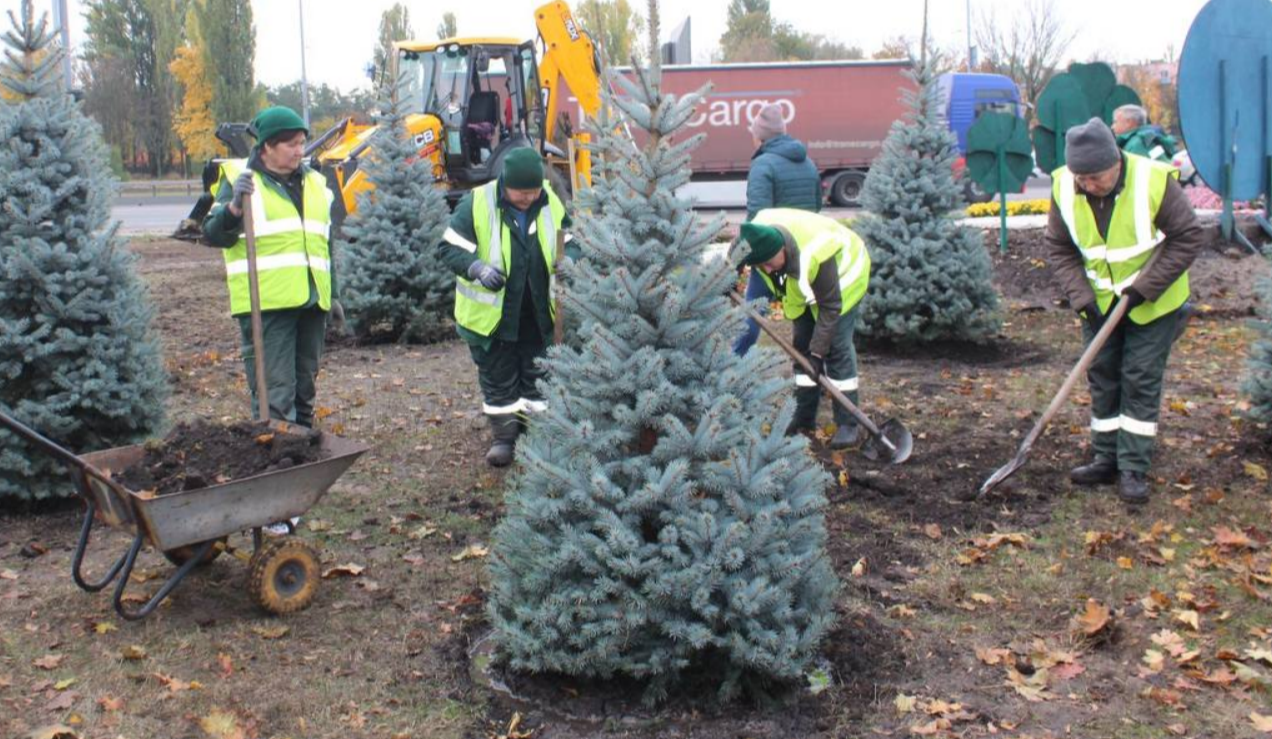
(190, 527)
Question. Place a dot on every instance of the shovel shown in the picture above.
(892, 439)
(1079, 369)
(254, 292)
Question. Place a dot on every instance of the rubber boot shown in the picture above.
(503, 432)
(845, 436)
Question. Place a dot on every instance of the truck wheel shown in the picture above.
(973, 193)
(845, 190)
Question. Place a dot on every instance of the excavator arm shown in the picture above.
(569, 55)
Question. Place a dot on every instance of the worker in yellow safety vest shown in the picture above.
(291, 217)
(501, 245)
(1110, 212)
(820, 270)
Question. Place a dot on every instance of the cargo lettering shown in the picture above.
(735, 112)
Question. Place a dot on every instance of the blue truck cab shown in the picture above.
(964, 96)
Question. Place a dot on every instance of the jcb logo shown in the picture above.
(424, 139)
(572, 29)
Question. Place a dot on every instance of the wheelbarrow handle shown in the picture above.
(803, 362)
(39, 441)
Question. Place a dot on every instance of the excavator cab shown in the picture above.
(475, 90)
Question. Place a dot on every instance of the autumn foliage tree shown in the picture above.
(193, 119)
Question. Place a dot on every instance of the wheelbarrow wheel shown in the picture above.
(181, 555)
(284, 575)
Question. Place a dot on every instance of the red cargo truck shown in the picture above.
(841, 110)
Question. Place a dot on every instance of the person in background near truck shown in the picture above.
(501, 245)
(1110, 211)
(820, 269)
(1136, 136)
(781, 176)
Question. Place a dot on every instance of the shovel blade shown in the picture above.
(894, 442)
(1002, 473)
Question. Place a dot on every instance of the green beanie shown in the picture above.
(523, 169)
(272, 121)
(765, 241)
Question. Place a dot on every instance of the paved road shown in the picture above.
(144, 214)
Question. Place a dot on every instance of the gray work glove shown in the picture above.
(490, 276)
(244, 186)
(337, 316)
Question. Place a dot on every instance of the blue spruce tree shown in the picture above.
(930, 278)
(391, 285)
(1257, 386)
(659, 523)
(78, 362)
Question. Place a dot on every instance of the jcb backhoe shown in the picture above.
(470, 101)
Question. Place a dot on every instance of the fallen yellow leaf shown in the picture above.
(221, 725)
(1189, 618)
(1261, 722)
(1256, 471)
(271, 632)
(133, 653)
(345, 570)
(1125, 563)
(472, 551)
(905, 703)
(1095, 618)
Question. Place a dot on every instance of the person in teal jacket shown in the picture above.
(782, 176)
(1135, 135)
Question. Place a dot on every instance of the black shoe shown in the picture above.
(800, 426)
(1132, 487)
(500, 454)
(1103, 471)
(845, 436)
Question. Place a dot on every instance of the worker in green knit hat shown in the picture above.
(291, 208)
(819, 269)
(501, 245)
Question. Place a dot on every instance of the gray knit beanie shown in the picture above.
(768, 123)
(1090, 148)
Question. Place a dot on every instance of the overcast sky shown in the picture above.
(340, 35)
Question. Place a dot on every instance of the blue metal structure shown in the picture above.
(1225, 101)
(964, 96)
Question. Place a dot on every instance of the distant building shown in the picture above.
(1164, 73)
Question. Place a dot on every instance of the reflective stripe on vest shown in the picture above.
(1114, 263)
(289, 250)
(818, 239)
(477, 309)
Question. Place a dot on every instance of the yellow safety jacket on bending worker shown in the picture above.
(818, 243)
(290, 249)
(476, 308)
(1113, 263)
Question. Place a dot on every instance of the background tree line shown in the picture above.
(159, 75)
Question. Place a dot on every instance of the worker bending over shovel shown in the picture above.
(819, 269)
(1110, 211)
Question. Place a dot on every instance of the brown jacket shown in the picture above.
(1176, 220)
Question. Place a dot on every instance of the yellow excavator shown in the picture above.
(470, 100)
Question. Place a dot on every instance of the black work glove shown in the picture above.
(1090, 313)
(1132, 298)
(819, 366)
(490, 276)
(244, 186)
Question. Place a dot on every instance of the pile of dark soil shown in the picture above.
(198, 455)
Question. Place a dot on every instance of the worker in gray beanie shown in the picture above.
(1099, 243)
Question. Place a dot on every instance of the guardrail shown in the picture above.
(154, 188)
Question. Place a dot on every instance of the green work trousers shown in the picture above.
(507, 373)
(1126, 389)
(840, 369)
(293, 340)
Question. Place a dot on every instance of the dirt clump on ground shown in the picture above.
(199, 454)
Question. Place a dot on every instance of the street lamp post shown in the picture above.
(62, 23)
(304, 80)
